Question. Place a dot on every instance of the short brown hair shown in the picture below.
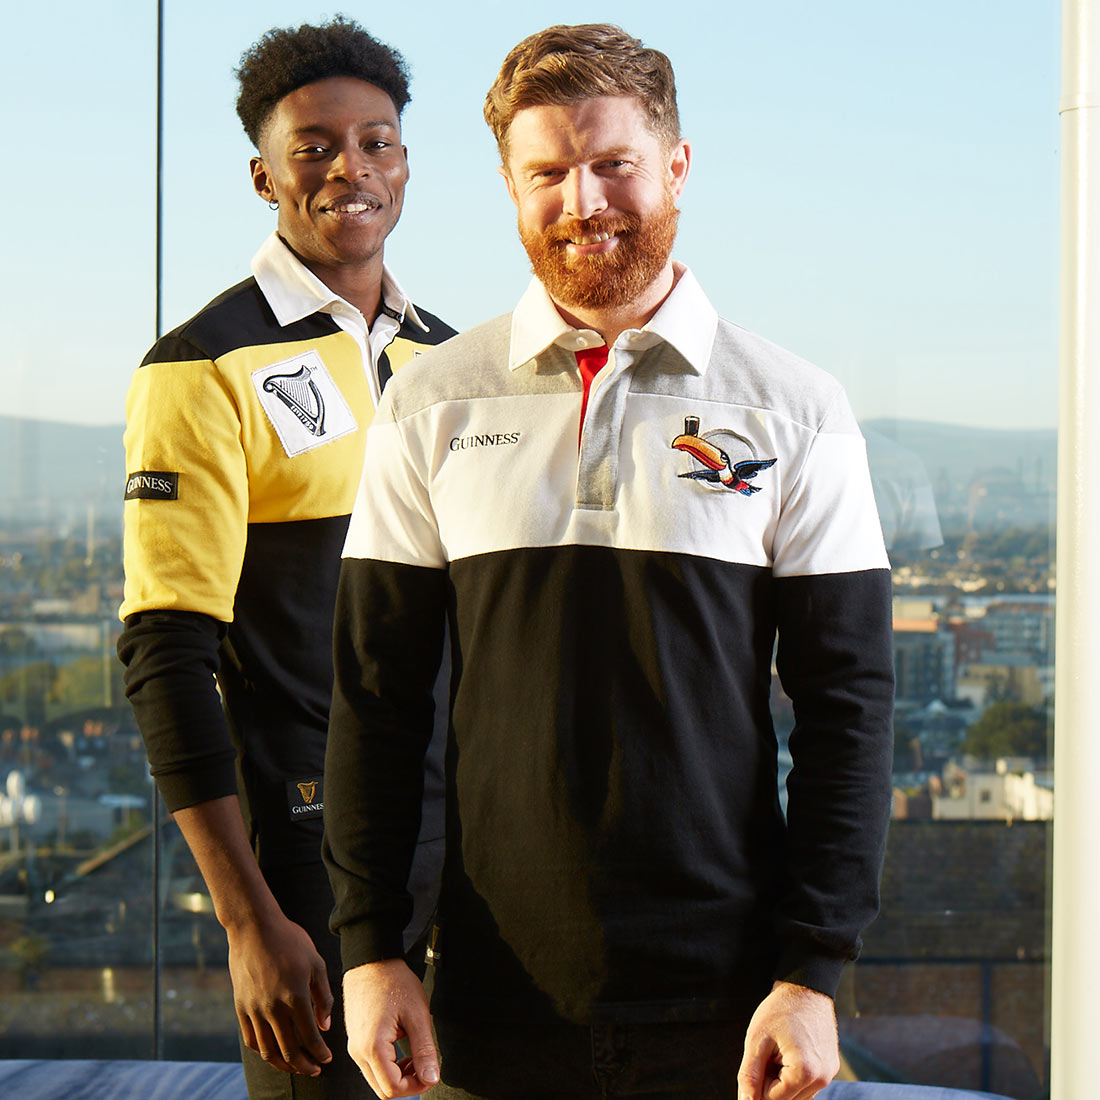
(564, 64)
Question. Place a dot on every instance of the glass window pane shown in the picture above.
(76, 885)
(874, 187)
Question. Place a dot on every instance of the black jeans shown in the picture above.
(662, 1061)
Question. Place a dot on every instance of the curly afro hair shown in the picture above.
(285, 59)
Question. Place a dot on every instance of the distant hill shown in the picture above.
(978, 476)
(54, 471)
(963, 453)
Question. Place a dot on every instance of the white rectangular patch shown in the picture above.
(303, 403)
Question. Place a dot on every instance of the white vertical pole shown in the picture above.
(1075, 968)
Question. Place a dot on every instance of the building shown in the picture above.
(924, 660)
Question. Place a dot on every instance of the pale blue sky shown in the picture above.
(874, 185)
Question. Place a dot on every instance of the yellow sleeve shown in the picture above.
(186, 510)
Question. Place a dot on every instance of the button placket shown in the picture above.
(598, 456)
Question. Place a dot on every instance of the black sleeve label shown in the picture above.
(306, 797)
(152, 485)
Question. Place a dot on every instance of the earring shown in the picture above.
(273, 204)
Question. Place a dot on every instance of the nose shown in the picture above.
(583, 193)
(349, 163)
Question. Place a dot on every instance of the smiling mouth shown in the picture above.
(360, 204)
(593, 238)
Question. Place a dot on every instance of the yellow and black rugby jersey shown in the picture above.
(244, 446)
(233, 420)
(612, 767)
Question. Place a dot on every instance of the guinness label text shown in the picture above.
(305, 797)
(499, 439)
(152, 485)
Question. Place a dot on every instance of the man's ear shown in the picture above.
(510, 184)
(261, 180)
(679, 162)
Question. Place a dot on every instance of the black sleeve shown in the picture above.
(835, 660)
(388, 639)
(171, 659)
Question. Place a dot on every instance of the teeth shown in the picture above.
(352, 207)
(598, 239)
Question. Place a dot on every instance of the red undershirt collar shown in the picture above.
(590, 361)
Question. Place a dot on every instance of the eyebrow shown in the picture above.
(615, 153)
(324, 128)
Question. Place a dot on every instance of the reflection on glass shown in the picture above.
(952, 982)
(75, 876)
(903, 493)
(77, 893)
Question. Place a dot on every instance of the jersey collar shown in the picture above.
(294, 292)
(685, 319)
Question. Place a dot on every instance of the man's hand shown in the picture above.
(280, 987)
(383, 1002)
(281, 993)
(791, 1049)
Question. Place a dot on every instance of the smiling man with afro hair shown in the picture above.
(257, 409)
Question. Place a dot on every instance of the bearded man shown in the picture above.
(620, 499)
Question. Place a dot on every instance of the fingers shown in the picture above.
(768, 1080)
(392, 1077)
(796, 1083)
(751, 1074)
(288, 1042)
(300, 1038)
(384, 1002)
(282, 995)
(423, 1056)
(248, 1033)
(321, 993)
(791, 1046)
(297, 1023)
(268, 1047)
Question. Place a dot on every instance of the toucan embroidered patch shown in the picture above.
(720, 459)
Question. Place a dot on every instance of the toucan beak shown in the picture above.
(702, 450)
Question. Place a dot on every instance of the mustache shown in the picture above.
(619, 225)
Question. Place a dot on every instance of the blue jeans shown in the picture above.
(662, 1061)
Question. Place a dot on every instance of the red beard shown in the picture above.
(605, 280)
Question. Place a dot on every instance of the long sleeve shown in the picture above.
(835, 660)
(185, 532)
(171, 658)
(388, 637)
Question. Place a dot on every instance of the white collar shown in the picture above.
(685, 319)
(294, 292)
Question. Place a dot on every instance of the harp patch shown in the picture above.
(303, 403)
